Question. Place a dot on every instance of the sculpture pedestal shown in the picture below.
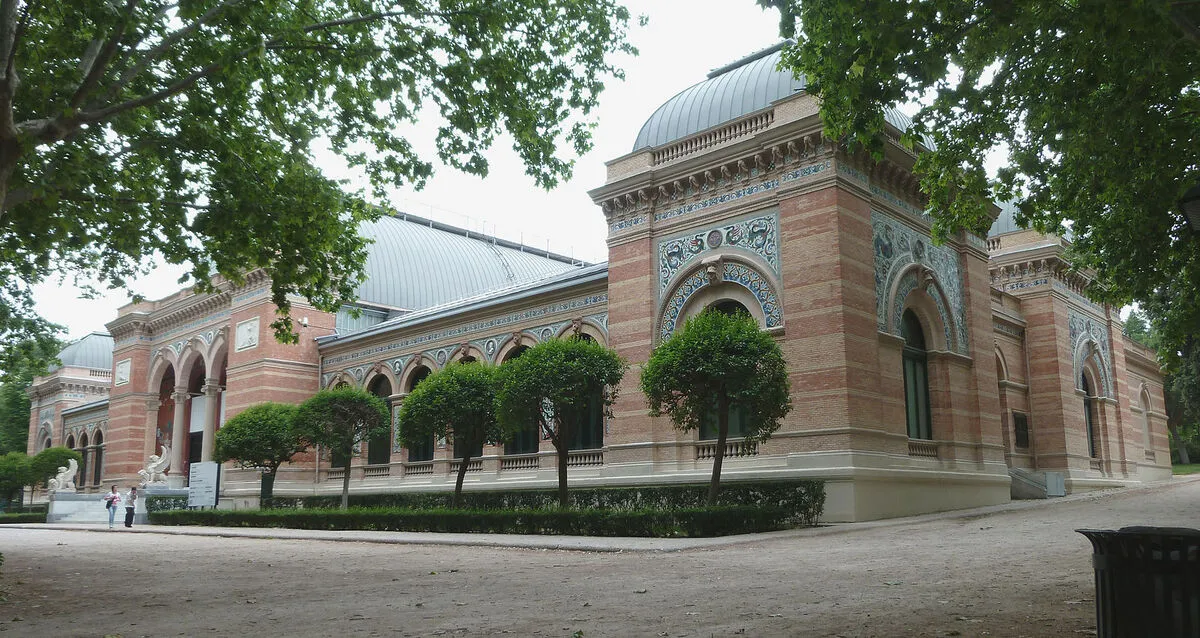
(72, 507)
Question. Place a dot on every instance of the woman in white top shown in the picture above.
(111, 500)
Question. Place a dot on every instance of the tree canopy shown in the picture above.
(1093, 106)
(553, 385)
(15, 473)
(340, 419)
(261, 436)
(456, 403)
(186, 129)
(718, 362)
(18, 366)
(44, 465)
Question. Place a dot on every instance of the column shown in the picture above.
(394, 403)
(175, 477)
(212, 410)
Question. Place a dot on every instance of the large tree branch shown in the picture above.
(96, 68)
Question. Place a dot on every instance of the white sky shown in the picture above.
(682, 42)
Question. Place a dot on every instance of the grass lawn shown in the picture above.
(1193, 468)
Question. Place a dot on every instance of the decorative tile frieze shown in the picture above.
(589, 301)
(898, 247)
(398, 363)
(758, 234)
(600, 319)
(734, 272)
(1090, 338)
(802, 172)
(548, 331)
(627, 223)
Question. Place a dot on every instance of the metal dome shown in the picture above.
(743, 87)
(93, 351)
(417, 263)
(1006, 221)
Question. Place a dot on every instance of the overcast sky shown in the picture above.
(682, 42)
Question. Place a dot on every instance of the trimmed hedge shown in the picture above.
(31, 517)
(804, 500)
(690, 522)
(165, 503)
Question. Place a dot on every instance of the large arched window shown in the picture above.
(588, 433)
(379, 447)
(423, 451)
(916, 378)
(1147, 440)
(82, 476)
(709, 426)
(525, 441)
(98, 459)
(1089, 418)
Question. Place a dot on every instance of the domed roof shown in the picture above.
(416, 263)
(93, 351)
(743, 87)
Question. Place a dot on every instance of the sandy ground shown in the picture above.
(1018, 572)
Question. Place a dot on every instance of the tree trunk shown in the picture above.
(1180, 444)
(346, 482)
(563, 445)
(268, 487)
(462, 473)
(714, 485)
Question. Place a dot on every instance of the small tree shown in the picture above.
(16, 472)
(339, 419)
(718, 361)
(263, 436)
(553, 384)
(45, 465)
(458, 403)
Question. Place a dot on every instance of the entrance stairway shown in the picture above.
(1027, 484)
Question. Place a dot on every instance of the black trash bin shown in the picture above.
(1147, 582)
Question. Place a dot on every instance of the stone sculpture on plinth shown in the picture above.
(155, 472)
(65, 479)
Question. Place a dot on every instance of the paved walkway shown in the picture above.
(583, 543)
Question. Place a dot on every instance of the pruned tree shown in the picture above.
(135, 128)
(262, 436)
(340, 419)
(715, 363)
(18, 367)
(1093, 110)
(16, 472)
(455, 403)
(45, 464)
(554, 384)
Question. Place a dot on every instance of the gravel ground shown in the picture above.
(1018, 571)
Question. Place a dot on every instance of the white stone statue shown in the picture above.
(156, 469)
(65, 479)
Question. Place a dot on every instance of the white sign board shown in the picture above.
(202, 484)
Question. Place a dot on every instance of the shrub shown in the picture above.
(803, 499)
(30, 517)
(689, 522)
(166, 503)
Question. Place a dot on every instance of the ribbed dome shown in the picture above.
(1006, 221)
(416, 263)
(738, 89)
(93, 351)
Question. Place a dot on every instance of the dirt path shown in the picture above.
(1015, 573)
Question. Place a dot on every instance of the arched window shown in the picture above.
(588, 433)
(710, 426)
(730, 307)
(424, 451)
(1089, 418)
(916, 378)
(46, 443)
(98, 460)
(526, 441)
(83, 463)
(379, 448)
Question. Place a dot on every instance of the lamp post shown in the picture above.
(1191, 207)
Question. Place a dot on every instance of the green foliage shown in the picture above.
(339, 419)
(187, 129)
(16, 471)
(18, 366)
(1093, 106)
(457, 403)
(717, 361)
(1137, 328)
(689, 522)
(46, 463)
(165, 503)
(24, 517)
(552, 385)
(804, 500)
(262, 436)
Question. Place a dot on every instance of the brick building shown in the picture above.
(924, 377)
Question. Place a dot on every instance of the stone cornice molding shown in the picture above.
(128, 325)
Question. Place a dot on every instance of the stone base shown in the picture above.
(72, 507)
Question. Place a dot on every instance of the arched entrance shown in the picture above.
(424, 451)
(527, 440)
(379, 448)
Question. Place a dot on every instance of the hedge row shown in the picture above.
(690, 522)
(804, 500)
(31, 517)
(165, 503)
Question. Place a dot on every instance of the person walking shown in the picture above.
(130, 504)
(111, 500)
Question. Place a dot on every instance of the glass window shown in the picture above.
(1089, 422)
(916, 378)
(423, 451)
(1020, 430)
(589, 433)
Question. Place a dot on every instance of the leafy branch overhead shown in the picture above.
(135, 127)
(1093, 106)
